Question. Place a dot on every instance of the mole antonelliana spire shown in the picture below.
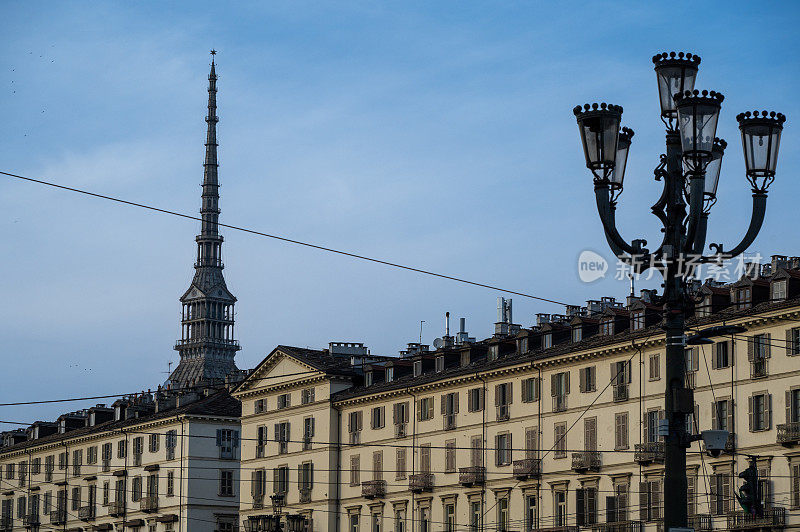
(207, 347)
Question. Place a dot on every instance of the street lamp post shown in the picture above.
(690, 172)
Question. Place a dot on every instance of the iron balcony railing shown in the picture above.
(620, 392)
(87, 513)
(373, 489)
(649, 452)
(774, 517)
(619, 526)
(400, 430)
(586, 460)
(449, 421)
(30, 520)
(6, 524)
(758, 368)
(58, 517)
(503, 413)
(701, 522)
(198, 341)
(559, 403)
(258, 502)
(472, 476)
(565, 528)
(305, 495)
(148, 504)
(420, 482)
(262, 523)
(527, 468)
(789, 433)
(116, 508)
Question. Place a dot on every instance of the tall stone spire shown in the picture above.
(207, 347)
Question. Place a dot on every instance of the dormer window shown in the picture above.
(704, 307)
(742, 298)
(523, 345)
(390, 374)
(577, 333)
(637, 320)
(439, 364)
(547, 340)
(607, 326)
(493, 352)
(417, 368)
(779, 290)
(368, 378)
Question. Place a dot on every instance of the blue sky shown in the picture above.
(438, 135)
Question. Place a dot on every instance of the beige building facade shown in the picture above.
(549, 428)
(146, 464)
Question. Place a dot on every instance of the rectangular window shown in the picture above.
(417, 368)
(225, 483)
(450, 517)
(227, 442)
(503, 397)
(778, 290)
(590, 434)
(722, 415)
(400, 419)
(50, 465)
(439, 364)
(607, 326)
(760, 411)
(377, 465)
(400, 467)
(308, 432)
(122, 447)
(654, 373)
(475, 515)
(284, 401)
(476, 451)
(170, 483)
(154, 443)
(91, 455)
(547, 340)
(722, 355)
(136, 489)
(560, 507)
(399, 520)
(258, 406)
(449, 404)
(531, 513)
(577, 334)
(793, 406)
(106, 493)
(355, 470)
(450, 456)
(721, 495)
(62, 459)
(425, 458)
(586, 506)
(795, 487)
(560, 439)
(651, 419)
(171, 443)
(650, 500)
(261, 441)
(307, 396)
(425, 409)
(378, 417)
(138, 448)
(559, 389)
(77, 461)
(758, 351)
(502, 514)
(637, 320)
(587, 379)
(280, 479)
(475, 400)
(354, 424)
(306, 473)
(530, 390)
(502, 449)
(621, 430)
(793, 341)
(282, 436)
(376, 518)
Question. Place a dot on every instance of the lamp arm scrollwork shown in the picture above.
(756, 220)
(606, 211)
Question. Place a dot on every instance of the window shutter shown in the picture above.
(444, 404)
(768, 346)
(419, 411)
(580, 507)
(219, 438)
(253, 483)
(695, 358)
(750, 412)
(526, 390)
(394, 413)
(235, 439)
(509, 393)
(509, 449)
(300, 483)
(591, 506)
(613, 373)
(768, 413)
(750, 348)
(455, 402)
(497, 394)
(275, 480)
(788, 406)
(795, 485)
(497, 450)
(582, 380)
(611, 509)
(790, 348)
(714, 412)
(553, 385)
(717, 354)
(537, 385)
(731, 406)
(566, 380)
(646, 426)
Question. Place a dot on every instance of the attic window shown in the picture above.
(704, 307)
(368, 378)
(742, 298)
(389, 374)
(417, 368)
(547, 340)
(779, 290)
(637, 320)
(577, 333)
(439, 364)
(607, 326)
(493, 352)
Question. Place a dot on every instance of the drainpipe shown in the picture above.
(180, 489)
(335, 486)
(66, 482)
(483, 451)
(413, 455)
(539, 448)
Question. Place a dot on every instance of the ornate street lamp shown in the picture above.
(690, 171)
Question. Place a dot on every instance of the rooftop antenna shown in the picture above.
(420, 331)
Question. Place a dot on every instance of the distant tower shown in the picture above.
(207, 347)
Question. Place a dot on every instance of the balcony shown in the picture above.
(87, 513)
(420, 482)
(355, 438)
(449, 421)
(6, 524)
(701, 522)
(262, 523)
(527, 468)
(649, 452)
(116, 508)
(789, 433)
(148, 504)
(373, 489)
(758, 368)
(559, 403)
(258, 502)
(774, 517)
(305, 495)
(619, 526)
(472, 476)
(400, 430)
(503, 413)
(58, 517)
(620, 392)
(586, 461)
(30, 520)
(565, 528)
